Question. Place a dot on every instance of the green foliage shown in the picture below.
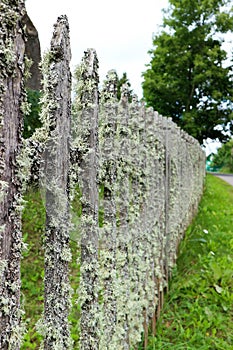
(224, 157)
(198, 308)
(32, 120)
(187, 78)
(120, 82)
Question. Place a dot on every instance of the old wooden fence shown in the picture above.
(138, 169)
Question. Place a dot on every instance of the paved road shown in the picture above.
(226, 177)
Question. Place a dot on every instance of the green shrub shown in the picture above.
(31, 120)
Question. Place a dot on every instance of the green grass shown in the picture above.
(198, 310)
(32, 267)
(225, 170)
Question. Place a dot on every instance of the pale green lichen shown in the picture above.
(3, 188)
(53, 139)
(47, 330)
(11, 74)
(27, 64)
(5, 305)
(9, 54)
(3, 263)
(158, 182)
(85, 145)
(152, 174)
(25, 108)
(66, 254)
(17, 336)
(107, 239)
(24, 161)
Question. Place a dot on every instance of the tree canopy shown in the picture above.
(188, 77)
(224, 156)
(123, 80)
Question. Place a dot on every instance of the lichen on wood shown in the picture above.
(107, 141)
(150, 175)
(122, 212)
(85, 144)
(54, 179)
(12, 99)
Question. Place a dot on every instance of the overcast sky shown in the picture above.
(121, 31)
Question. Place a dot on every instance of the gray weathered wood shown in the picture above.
(107, 136)
(86, 145)
(123, 233)
(12, 97)
(136, 198)
(56, 110)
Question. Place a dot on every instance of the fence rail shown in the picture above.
(142, 172)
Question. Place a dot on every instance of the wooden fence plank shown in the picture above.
(12, 102)
(56, 111)
(87, 109)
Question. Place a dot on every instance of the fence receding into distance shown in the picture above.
(139, 178)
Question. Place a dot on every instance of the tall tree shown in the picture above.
(188, 78)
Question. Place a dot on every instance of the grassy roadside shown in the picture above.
(225, 170)
(198, 310)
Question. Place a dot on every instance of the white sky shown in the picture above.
(121, 31)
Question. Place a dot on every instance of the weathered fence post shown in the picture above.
(167, 129)
(160, 215)
(136, 198)
(155, 205)
(56, 110)
(148, 220)
(86, 144)
(123, 234)
(12, 101)
(161, 212)
(107, 136)
(142, 196)
(172, 217)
